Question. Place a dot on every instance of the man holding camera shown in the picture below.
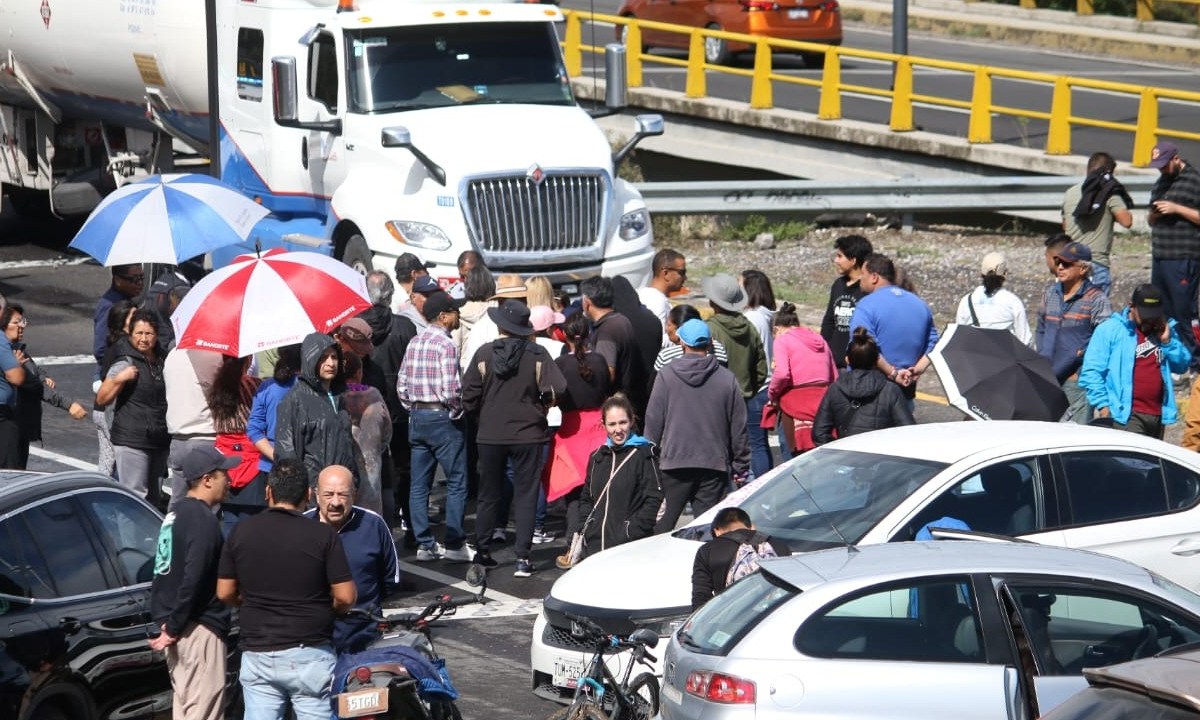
(1128, 364)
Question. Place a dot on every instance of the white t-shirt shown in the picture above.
(657, 302)
(1002, 311)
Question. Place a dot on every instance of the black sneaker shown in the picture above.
(524, 568)
(485, 559)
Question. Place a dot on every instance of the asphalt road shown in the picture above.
(940, 83)
(487, 647)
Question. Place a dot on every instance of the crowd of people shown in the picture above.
(625, 405)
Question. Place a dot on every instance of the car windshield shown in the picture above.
(412, 68)
(715, 628)
(829, 498)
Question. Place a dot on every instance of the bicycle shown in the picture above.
(598, 693)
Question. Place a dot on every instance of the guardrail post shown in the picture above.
(696, 82)
(633, 53)
(902, 90)
(572, 44)
(1029, 4)
(1085, 7)
(1058, 136)
(760, 91)
(830, 107)
(1146, 133)
(1145, 10)
(979, 128)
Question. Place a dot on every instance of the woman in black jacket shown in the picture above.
(862, 399)
(139, 428)
(622, 493)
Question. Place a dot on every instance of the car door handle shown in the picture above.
(70, 625)
(1187, 547)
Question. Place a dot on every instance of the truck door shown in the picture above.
(323, 154)
(248, 166)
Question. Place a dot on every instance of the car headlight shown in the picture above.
(634, 224)
(418, 234)
(665, 626)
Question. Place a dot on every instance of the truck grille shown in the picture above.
(512, 214)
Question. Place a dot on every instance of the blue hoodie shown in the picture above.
(1107, 373)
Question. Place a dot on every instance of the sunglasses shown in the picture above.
(682, 273)
(1058, 262)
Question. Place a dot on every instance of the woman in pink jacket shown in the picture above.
(803, 368)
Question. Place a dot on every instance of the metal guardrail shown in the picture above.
(899, 87)
(896, 196)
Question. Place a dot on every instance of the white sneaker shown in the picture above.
(463, 554)
(428, 554)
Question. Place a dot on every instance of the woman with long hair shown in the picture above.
(36, 389)
(230, 399)
(581, 430)
(804, 367)
(134, 382)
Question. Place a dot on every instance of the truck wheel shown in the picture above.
(357, 256)
(716, 50)
(30, 204)
(813, 61)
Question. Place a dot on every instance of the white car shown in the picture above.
(1052, 483)
(910, 631)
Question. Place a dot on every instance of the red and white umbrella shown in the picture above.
(259, 302)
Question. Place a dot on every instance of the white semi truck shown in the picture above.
(369, 128)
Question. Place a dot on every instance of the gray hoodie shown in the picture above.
(697, 416)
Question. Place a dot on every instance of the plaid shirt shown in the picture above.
(1065, 325)
(1172, 237)
(429, 372)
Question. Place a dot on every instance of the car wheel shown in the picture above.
(815, 61)
(357, 256)
(62, 702)
(644, 689)
(716, 50)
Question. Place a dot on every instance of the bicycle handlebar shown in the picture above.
(432, 611)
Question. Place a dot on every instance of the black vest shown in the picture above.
(140, 414)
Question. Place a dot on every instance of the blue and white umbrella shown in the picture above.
(167, 219)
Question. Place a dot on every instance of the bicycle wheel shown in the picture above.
(643, 692)
(583, 711)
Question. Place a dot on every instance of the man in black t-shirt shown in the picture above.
(849, 253)
(290, 577)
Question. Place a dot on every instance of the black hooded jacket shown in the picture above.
(313, 424)
(509, 383)
(858, 402)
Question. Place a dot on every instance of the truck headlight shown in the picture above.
(418, 234)
(634, 224)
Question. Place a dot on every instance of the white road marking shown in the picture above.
(60, 458)
(51, 263)
(499, 608)
(65, 360)
(427, 572)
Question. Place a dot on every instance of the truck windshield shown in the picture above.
(413, 68)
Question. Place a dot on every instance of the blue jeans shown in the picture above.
(436, 439)
(760, 451)
(1178, 281)
(299, 675)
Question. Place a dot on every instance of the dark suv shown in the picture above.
(76, 560)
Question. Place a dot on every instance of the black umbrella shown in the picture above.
(991, 375)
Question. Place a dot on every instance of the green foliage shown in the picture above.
(751, 226)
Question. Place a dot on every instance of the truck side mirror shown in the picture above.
(283, 90)
(394, 137)
(647, 126)
(615, 82)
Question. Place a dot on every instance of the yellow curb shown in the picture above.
(932, 398)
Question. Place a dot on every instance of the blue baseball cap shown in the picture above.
(694, 333)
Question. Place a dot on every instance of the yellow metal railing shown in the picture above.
(1144, 9)
(903, 95)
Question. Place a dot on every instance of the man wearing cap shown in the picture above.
(1174, 219)
(421, 289)
(697, 417)
(1091, 208)
(1128, 364)
(509, 385)
(1072, 307)
(370, 550)
(431, 392)
(991, 306)
(484, 331)
(192, 622)
(747, 358)
(900, 322)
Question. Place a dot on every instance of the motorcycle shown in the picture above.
(400, 676)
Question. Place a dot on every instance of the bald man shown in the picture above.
(369, 548)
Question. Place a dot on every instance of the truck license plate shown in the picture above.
(567, 672)
(798, 14)
(363, 702)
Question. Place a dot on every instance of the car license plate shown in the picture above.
(798, 14)
(567, 672)
(363, 702)
(672, 694)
